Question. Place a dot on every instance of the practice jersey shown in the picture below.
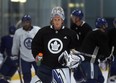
(52, 43)
(6, 45)
(81, 31)
(99, 39)
(112, 39)
(22, 43)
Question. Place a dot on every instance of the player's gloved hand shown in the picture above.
(70, 60)
(39, 58)
(1, 58)
(110, 59)
(15, 60)
(103, 64)
(14, 57)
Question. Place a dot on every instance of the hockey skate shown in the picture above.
(112, 79)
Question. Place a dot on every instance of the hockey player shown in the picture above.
(7, 67)
(51, 41)
(79, 26)
(94, 47)
(112, 42)
(22, 45)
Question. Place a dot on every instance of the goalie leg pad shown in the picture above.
(61, 75)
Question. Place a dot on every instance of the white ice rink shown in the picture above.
(105, 73)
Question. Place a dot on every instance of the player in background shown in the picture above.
(7, 66)
(22, 46)
(112, 42)
(79, 26)
(51, 41)
(96, 45)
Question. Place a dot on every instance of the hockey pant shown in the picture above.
(113, 68)
(26, 70)
(44, 74)
(8, 69)
(83, 73)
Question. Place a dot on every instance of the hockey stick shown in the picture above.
(20, 70)
(83, 74)
(18, 23)
(19, 64)
(110, 63)
(94, 55)
(81, 53)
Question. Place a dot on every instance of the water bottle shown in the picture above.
(39, 58)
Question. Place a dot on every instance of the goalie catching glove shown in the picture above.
(71, 60)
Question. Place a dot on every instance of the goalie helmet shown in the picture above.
(57, 11)
(77, 13)
(100, 22)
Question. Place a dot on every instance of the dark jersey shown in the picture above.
(6, 45)
(52, 43)
(93, 39)
(81, 32)
(112, 39)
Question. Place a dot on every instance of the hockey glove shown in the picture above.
(14, 57)
(70, 60)
(15, 60)
(110, 59)
(102, 64)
